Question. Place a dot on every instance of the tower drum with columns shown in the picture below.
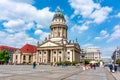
(58, 27)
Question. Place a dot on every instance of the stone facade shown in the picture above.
(56, 48)
(27, 54)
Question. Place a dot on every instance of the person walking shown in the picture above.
(94, 65)
(111, 67)
(34, 65)
(91, 65)
(115, 68)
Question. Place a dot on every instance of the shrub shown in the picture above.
(118, 62)
(87, 61)
(74, 63)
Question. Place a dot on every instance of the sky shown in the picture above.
(95, 23)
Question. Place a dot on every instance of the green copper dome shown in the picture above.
(58, 14)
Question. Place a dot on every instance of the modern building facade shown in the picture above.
(56, 48)
(116, 54)
(91, 53)
(27, 54)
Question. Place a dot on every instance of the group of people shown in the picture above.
(93, 66)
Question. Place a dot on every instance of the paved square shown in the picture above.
(47, 72)
(42, 72)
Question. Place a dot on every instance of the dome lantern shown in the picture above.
(58, 17)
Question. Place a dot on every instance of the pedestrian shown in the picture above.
(91, 66)
(111, 67)
(34, 65)
(94, 65)
(115, 68)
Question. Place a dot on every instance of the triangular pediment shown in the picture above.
(49, 43)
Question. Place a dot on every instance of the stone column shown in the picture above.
(42, 56)
(57, 55)
(73, 55)
(51, 57)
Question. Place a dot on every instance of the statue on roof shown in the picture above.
(58, 9)
(76, 40)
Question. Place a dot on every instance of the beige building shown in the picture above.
(27, 54)
(56, 48)
(91, 53)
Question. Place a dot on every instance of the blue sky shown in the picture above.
(95, 23)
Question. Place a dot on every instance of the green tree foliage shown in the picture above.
(86, 61)
(118, 61)
(4, 56)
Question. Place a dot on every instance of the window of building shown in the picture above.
(39, 52)
(59, 59)
(44, 60)
(44, 52)
(16, 56)
(24, 57)
(68, 58)
(54, 59)
(59, 52)
(40, 59)
(68, 52)
(54, 52)
(30, 57)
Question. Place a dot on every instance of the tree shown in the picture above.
(4, 56)
(118, 61)
(86, 61)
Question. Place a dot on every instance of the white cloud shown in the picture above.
(12, 10)
(101, 14)
(97, 38)
(16, 40)
(83, 7)
(103, 34)
(38, 32)
(87, 45)
(118, 15)
(79, 29)
(2, 34)
(90, 10)
(17, 16)
(17, 25)
(116, 34)
(24, 1)
(42, 34)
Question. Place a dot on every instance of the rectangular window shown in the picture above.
(16, 56)
(24, 57)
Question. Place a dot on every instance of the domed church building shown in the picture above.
(57, 48)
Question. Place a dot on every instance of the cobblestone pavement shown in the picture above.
(46, 72)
